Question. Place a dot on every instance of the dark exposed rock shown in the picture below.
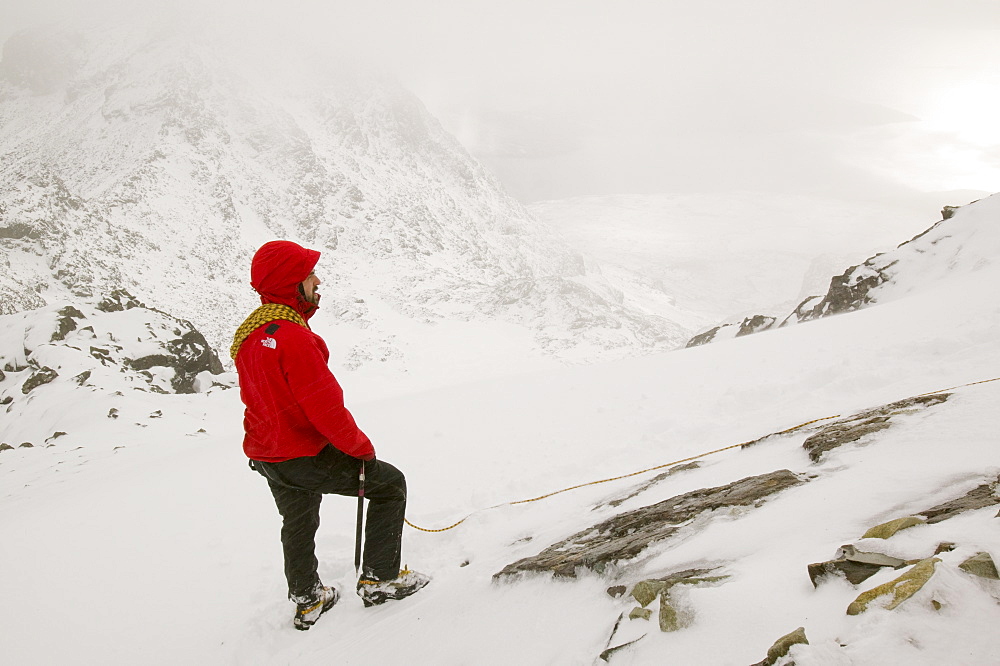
(20, 230)
(26, 445)
(43, 375)
(66, 322)
(838, 434)
(855, 572)
(848, 291)
(102, 355)
(703, 338)
(626, 535)
(977, 498)
(948, 212)
(853, 428)
(190, 355)
(618, 501)
(616, 591)
(6, 447)
(6, 400)
(856, 566)
(755, 324)
(82, 377)
(119, 300)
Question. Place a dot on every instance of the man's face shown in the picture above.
(309, 289)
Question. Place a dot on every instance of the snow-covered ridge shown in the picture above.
(159, 163)
(52, 358)
(963, 242)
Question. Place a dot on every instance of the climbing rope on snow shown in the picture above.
(614, 478)
(669, 464)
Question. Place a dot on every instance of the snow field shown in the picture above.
(166, 550)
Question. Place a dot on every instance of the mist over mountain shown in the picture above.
(157, 162)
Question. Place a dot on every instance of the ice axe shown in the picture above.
(361, 519)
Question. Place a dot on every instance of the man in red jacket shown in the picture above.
(304, 441)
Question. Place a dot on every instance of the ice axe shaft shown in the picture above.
(361, 518)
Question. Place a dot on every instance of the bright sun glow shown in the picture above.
(966, 117)
(972, 111)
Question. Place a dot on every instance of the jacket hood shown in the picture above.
(276, 271)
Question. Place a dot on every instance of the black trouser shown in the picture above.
(298, 486)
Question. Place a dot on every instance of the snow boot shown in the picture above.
(308, 609)
(374, 592)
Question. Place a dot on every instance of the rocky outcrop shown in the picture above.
(118, 335)
(857, 426)
(977, 498)
(755, 324)
(635, 492)
(858, 286)
(39, 377)
(748, 326)
(626, 535)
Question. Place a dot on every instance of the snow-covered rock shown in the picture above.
(113, 344)
(964, 241)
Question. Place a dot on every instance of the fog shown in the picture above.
(857, 99)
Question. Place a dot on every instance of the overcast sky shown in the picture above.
(857, 98)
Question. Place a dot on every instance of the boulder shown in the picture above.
(640, 613)
(901, 588)
(668, 616)
(857, 426)
(886, 530)
(982, 565)
(781, 646)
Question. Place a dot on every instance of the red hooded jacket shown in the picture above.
(294, 405)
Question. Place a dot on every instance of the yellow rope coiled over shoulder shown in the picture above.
(263, 315)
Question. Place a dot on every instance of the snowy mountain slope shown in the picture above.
(965, 241)
(158, 162)
(161, 546)
(713, 256)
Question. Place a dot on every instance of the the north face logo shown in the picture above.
(270, 343)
